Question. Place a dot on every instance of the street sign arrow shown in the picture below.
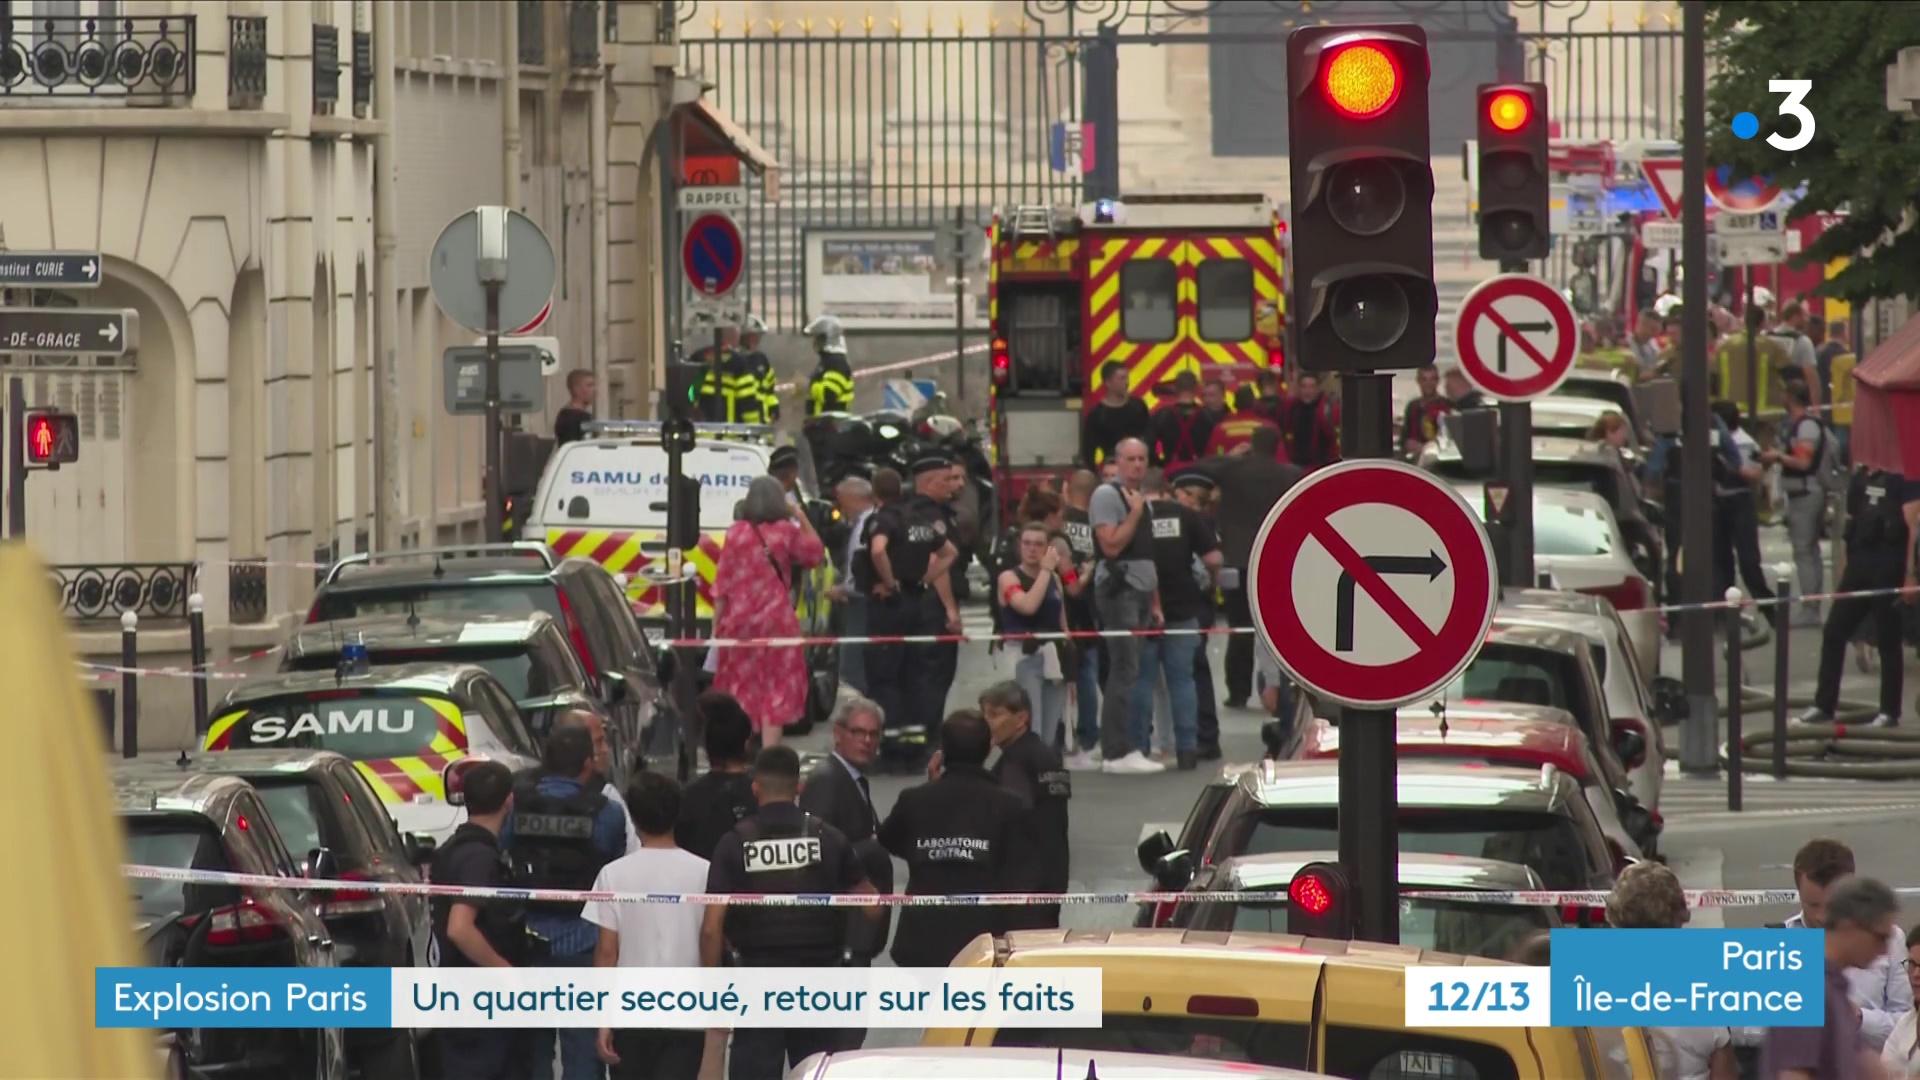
(69, 331)
(1431, 565)
(50, 269)
(110, 332)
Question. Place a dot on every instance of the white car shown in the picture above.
(1020, 1063)
(1578, 542)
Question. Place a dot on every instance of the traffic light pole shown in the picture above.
(1369, 771)
(493, 486)
(1699, 735)
(16, 438)
(1516, 451)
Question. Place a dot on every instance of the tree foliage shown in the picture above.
(1863, 159)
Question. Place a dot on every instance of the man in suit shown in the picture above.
(837, 792)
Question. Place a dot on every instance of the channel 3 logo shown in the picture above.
(1746, 125)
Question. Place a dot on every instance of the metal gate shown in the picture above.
(882, 125)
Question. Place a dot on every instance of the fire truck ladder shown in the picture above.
(1033, 220)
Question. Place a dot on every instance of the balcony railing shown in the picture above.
(139, 58)
(246, 61)
(109, 590)
(326, 68)
(362, 73)
(533, 31)
(247, 591)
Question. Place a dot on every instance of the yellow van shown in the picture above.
(1280, 1000)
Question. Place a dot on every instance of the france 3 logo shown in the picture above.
(1746, 125)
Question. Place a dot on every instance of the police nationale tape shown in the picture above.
(1697, 898)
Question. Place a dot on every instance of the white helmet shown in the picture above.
(754, 325)
(1665, 304)
(1763, 298)
(827, 334)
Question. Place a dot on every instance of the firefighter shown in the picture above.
(737, 389)
(830, 388)
(1420, 424)
(1182, 428)
(714, 357)
(755, 362)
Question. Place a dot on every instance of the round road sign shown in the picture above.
(1516, 337)
(453, 271)
(534, 323)
(1373, 583)
(1740, 196)
(713, 254)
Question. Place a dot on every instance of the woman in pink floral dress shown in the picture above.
(751, 600)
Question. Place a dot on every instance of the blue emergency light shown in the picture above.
(354, 658)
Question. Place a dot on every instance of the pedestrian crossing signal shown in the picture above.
(52, 438)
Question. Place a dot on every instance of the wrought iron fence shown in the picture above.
(326, 67)
(247, 591)
(137, 57)
(246, 61)
(533, 31)
(108, 590)
(362, 73)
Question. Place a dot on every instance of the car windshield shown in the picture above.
(511, 598)
(1454, 926)
(1561, 529)
(292, 804)
(177, 843)
(1547, 843)
(1211, 1038)
(1503, 673)
(513, 666)
(365, 727)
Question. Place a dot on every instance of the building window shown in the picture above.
(1147, 290)
(1226, 300)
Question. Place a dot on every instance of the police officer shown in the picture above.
(1032, 771)
(1186, 560)
(470, 933)
(1880, 555)
(563, 829)
(1195, 491)
(783, 850)
(722, 797)
(830, 389)
(908, 555)
(956, 834)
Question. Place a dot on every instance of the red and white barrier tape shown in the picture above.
(109, 672)
(898, 365)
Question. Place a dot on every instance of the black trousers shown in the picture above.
(943, 660)
(482, 1053)
(901, 679)
(1239, 646)
(1736, 545)
(658, 1054)
(1845, 616)
(1209, 710)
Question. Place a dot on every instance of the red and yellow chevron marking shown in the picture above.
(395, 780)
(619, 550)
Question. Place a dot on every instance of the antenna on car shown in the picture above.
(183, 760)
(438, 570)
(413, 614)
(1439, 710)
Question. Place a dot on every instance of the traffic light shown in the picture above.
(1513, 171)
(1362, 237)
(52, 438)
(680, 399)
(1320, 902)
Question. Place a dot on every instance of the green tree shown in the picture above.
(1863, 159)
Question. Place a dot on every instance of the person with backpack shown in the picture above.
(1809, 472)
(1181, 430)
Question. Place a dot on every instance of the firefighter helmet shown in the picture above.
(754, 324)
(827, 335)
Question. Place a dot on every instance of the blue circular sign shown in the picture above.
(713, 254)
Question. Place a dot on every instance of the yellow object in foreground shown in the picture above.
(67, 911)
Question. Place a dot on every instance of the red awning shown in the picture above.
(1886, 404)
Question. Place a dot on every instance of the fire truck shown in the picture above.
(1143, 288)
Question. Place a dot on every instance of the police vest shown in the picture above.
(1874, 519)
(1141, 545)
(785, 859)
(553, 836)
(923, 528)
(502, 922)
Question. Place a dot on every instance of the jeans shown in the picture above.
(579, 1059)
(1239, 646)
(1883, 572)
(1047, 696)
(1806, 514)
(853, 658)
(1120, 609)
(1172, 656)
(1088, 693)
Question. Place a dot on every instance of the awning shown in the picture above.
(723, 134)
(1886, 404)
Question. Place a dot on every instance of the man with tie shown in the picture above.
(837, 792)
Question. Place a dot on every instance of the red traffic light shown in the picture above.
(1360, 80)
(52, 438)
(1509, 110)
(1002, 363)
(1311, 893)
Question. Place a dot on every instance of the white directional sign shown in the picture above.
(1516, 337)
(1661, 235)
(701, 199)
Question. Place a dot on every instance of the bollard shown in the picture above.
(1782, 620)
(1734, 599)
(129, 685)
(197, 641)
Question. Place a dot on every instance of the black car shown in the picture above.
(529, 654)
(189, 819)
(512, 579)
(325, 812)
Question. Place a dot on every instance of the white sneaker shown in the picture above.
(1134, 764)
(1084, 761)
(1815, 715)
(1882, 720)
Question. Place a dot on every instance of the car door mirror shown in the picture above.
(420, 847)
(614, 687)
(1154, 848)
(1174, 871)
(1630, 745)
(321, 865)
(1669, 699)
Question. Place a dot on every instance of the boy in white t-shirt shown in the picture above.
(651, 935)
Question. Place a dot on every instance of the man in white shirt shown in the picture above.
(1880, 991)
(651, 935)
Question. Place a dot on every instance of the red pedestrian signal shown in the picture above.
(1320, 902)
(1361, 81)
(51, 438)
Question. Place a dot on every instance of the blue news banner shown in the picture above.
(1636, 978)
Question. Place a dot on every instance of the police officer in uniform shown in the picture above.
(479, 933)
(1032, 771)
(908, 551)
(956, 834)
(1881, 510)
(830, 389)
(1195, 491)
(785, 850)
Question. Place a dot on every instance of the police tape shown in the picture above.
(99, 672)
(898, 365)
(1696, 898)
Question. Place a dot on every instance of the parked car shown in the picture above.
(1013, 1063)
(405, 728)
(1455, 925)
(1612, 387)
(1536, 817)
(1572, 416)
(1160, 841)
(515, 580)
(332, 821)
(529, 654)
(1278, 1000)
(189, 819)
(1505, 733)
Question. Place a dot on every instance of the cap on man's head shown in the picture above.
(785, 457)
(931, 462)
(1193, 482)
